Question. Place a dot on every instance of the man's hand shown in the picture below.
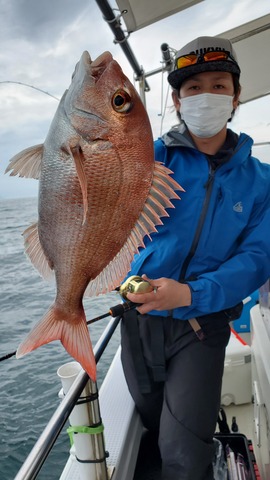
(167, 294)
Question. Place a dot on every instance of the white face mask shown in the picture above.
(207, 113)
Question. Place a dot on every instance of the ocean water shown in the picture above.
(29, 386)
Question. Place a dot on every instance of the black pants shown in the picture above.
(184, 408)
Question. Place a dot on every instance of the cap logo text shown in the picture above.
(208, 49)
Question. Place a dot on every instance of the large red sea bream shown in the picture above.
(100, 193)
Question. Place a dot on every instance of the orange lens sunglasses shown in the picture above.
(193, 58)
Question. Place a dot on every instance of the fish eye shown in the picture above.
(121, 101)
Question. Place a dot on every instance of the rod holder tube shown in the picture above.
(88, 442)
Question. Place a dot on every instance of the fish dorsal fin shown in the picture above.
(27, 163)
(35, 252)
(161, 191)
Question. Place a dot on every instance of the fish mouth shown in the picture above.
(85, 76)
(96, 68)
(85, 97)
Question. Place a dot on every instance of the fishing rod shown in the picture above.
(133, 284)
(117, 310)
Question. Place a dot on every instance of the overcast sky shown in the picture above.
(42, 40)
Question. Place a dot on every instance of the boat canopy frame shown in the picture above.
(251, 42)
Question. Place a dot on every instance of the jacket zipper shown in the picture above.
(208, 186)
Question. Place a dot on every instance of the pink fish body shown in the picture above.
(100, 193)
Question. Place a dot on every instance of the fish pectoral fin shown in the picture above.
(27, 163)
(35, 252)
(78, 157)
(70, 329)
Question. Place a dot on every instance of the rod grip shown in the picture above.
(121, 308)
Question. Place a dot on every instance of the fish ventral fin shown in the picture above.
(27, 163)
(71, 330)
(35, 252)
(162, 190)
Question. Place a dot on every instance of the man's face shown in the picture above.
(207, 82)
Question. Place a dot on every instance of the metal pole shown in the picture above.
(120, 38)
(142, 89)
(44, 444)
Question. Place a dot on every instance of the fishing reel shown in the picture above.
(134, 284)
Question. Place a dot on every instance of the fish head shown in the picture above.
(102, 104)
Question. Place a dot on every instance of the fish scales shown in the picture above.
(100, 193)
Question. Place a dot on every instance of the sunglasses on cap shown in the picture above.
(193, 58)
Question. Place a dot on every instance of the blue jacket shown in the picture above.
(217, 238)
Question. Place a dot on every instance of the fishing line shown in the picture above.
(31, 86)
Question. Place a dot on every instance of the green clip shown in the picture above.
(84, 429)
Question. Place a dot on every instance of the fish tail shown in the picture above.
(70, 329)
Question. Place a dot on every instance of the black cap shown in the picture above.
(199, 46)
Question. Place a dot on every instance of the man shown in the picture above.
(211, 252)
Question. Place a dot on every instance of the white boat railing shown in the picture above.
(47, 439)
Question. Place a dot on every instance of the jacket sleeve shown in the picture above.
(236, 278)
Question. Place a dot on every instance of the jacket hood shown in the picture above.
(178, 136)
(236, 148)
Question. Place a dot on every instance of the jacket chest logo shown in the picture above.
(238, 207)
